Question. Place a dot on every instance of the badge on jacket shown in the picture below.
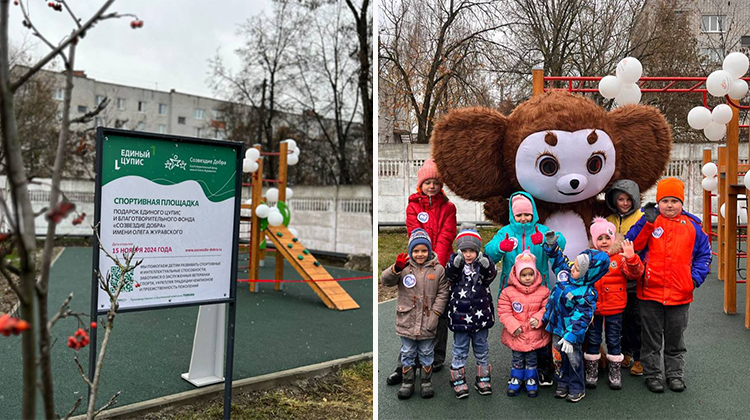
(423, 217)
(515, 242)
(410, 281)
(562, 276)
(517, 306)
(658, 232)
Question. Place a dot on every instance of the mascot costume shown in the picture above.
(561, 148)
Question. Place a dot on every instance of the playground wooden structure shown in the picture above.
(288, 247)
(729, 170)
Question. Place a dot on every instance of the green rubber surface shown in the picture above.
(717, 375)
(149, 350)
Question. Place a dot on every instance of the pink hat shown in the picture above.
(602, 227)
(525, 260)
(520, 204)
(427, 171)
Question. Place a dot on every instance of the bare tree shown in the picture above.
(364, 36)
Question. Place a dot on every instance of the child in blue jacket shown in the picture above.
(569, 312)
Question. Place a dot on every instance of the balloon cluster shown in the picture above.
(623, 87)
(741, 209)
(250, 163)
(711, 181)
(293, 157)
(721, 83)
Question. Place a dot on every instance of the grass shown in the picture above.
(390, 244)
(345, 394)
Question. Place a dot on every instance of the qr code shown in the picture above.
(115, 273)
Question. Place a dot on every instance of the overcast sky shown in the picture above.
(171, 50)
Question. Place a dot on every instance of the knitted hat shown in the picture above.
(521, 204)
(602, 227)
(583, 263)
(670, 187)
(427, 171)
(524, 260)
(468, 238)
(419, 237)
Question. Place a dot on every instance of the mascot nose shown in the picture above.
(574, 183)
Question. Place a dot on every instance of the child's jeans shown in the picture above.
(410, 348)
(663, 328)
(524, 359)
(568, 369)
(612, 326)
(478, 340)
(631, 328)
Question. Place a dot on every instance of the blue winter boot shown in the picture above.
(516, 380)
(532, 382)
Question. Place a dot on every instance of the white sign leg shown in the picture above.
(207, 360)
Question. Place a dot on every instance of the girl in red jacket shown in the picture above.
(612, 297)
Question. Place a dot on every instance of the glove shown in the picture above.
(551, 238)
(650, 211)
(458, 260)
(506, 245)
(483, 261)
(401, 260)
(536, 237)
(566, 346)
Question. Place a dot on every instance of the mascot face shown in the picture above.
(565, 167)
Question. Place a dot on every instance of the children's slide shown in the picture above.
(332, 294)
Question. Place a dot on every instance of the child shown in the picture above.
(677, 258)
(470, 312)
(611, 300)
(524, 233)
(521, 309)
(422, 296)
(624, 199)
(569, 311)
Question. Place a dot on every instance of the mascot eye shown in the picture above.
(595, 164)
(548, 165)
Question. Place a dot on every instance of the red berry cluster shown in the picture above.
(56, 6)
(79, 340)
(10, 325)
(136, 24)
(4, 236)
(60, 211)
(16, 2)
(78, 220)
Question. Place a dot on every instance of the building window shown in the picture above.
(199, 113)
(180, 120)
(162, 129)
(98, 99)
(218, 115)
(58, 94)
(141, 126)
(713, 23)
(83, 109)
(714, 55)
(141, 106)
(121, 103)
(197, 131)
(745, 41)
(162, 109)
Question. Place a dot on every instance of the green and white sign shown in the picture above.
(174, 202)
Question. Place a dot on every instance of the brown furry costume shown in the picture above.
(475, 150)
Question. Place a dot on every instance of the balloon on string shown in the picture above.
(289, 193)
(275, 219)
(629, 70)
(710, 170)
(741, 209)
(291, 144)
(721, 114)
(262, 211)
(746, 181)
(252, 154)
(735, 64)
(714, 131)
(609, 86)
(296, 151)
(272, 194)
(292, 160)
(249, 166)
(629, 94)
(718, 83)
(710, 184)
(738, 90)
(699, 117)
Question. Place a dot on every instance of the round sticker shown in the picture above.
(423, 217)
(410, 281)
(515, 242)
(613, 264)
(562, 276)
(517, 306)
(658, 232)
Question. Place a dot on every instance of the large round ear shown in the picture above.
(643, 141)
(467, 146)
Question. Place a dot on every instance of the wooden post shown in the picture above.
(747, 262)
(537, 78)
(282, 197)
(707, 198)
(721, 240)
(730, 247)
(255, 236)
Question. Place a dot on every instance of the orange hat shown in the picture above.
(670, 187)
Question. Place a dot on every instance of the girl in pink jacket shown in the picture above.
(520, 308)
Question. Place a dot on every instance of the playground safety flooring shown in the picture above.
(717, 374)
(149, 350)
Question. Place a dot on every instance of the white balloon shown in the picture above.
(272, 194)
(275, 219)
(721, 210)
(736, 64)
(714, 131)
(291, 144)
(246, 165)
(746, 181)
(262, 211)
(718, 83)
(629, 70)
(296, 151)
(292, 160)
(289, 193)
(699, 117)
(609, 86)
(741, 209)
(721, 114)
(710, 170)
(710, 184)
(293, 231)
(738, 90)
(629, 94)
(249, 201)
(253, 167)
(252, 154)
